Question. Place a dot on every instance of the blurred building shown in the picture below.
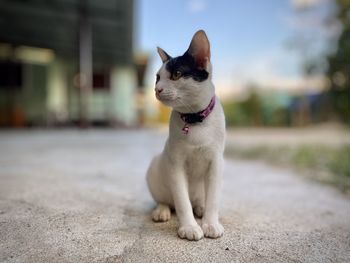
(68, 61)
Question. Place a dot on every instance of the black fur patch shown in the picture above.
(188, 68)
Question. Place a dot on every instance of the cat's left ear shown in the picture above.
(200, 49)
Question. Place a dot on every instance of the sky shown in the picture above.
(249, 39)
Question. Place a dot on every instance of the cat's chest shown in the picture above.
(193, 136)
(196, 161)
(197, 145)
(208, 134)
(196, 134)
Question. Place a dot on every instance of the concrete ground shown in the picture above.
(81, 196)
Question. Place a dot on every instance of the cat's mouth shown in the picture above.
(164, 98)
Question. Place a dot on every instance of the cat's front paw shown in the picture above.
(212, 230)
(190, 232)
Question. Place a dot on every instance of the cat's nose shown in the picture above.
(158, 91)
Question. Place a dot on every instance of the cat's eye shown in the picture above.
(176, 75)
(157, 78)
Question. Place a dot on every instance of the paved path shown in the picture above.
(74, 196)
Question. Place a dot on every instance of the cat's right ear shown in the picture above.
(163, 55)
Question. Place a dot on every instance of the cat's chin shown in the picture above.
(167, 101)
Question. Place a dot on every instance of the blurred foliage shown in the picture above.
(277, 109)
(321, 163)
(244, 113)
(339, 64)
(340, 161)
(255, 110)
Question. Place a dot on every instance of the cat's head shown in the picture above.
(184, 82)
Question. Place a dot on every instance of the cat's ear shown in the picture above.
(163, 55)
(200, 49)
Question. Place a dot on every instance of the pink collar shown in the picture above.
(191, 118)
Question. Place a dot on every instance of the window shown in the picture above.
(10, 75)
(100, 81)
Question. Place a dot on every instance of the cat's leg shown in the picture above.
(199, 211)
(161, 213)
(189, 227)
(198, 197)
(210, 222)
(159, 191)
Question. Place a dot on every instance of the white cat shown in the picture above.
(187, 174)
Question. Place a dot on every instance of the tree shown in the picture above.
(339, 64)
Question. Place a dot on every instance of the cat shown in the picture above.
(186, 176)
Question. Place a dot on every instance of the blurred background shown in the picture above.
(281, 69)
